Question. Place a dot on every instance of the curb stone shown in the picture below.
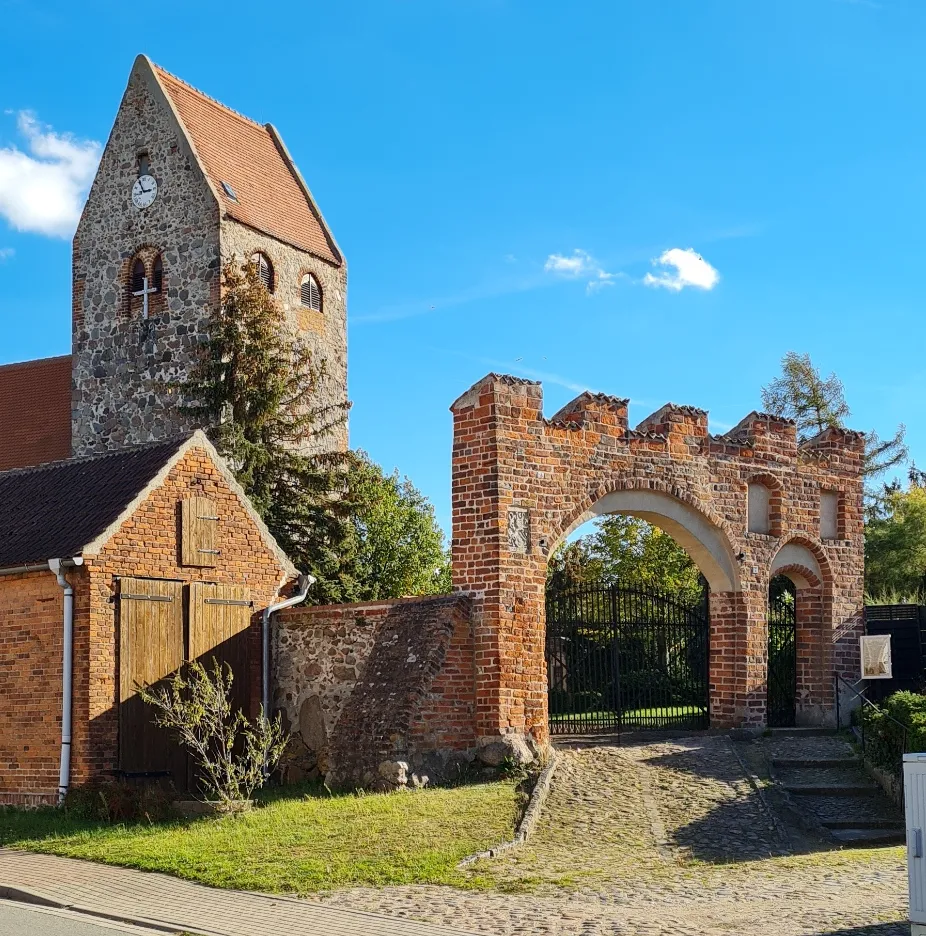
(531, 816)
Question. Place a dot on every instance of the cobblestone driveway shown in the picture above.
(664, 838)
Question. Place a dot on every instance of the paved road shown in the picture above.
(18, 919)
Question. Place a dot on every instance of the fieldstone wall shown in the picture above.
(378, 695)
(123, 365)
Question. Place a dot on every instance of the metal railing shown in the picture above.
(896, 748)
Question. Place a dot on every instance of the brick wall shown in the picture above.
(30, 688)
(378, 682)
(521, 483)
(147, 546)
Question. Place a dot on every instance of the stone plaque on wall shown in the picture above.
(519, 530)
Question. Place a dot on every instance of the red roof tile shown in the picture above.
(35, 412)
(245, 154)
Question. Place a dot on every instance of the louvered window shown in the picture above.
(264, 270)
(158, 273)
(310, 293)
(138, 276)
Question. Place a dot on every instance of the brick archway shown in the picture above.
(521, 482)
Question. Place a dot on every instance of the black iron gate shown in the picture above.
(625, 657)
(782, 658)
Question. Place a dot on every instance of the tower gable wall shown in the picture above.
(123, 365)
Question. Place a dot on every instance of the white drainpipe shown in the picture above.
(303, 586)
(67, 670)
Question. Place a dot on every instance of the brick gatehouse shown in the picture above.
(746, 505)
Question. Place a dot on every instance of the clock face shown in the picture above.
(144, 191)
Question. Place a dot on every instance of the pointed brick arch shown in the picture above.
(522, 482)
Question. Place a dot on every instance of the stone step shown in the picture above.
(854, 811)
(871, 837)
(798, 732)
(851, 776)
(798, 762)
(863, 824)
(832, 789)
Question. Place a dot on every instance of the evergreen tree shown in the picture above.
(816, 403)
(256, 387)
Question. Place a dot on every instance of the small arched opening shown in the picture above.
(799, 665)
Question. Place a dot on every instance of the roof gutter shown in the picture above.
(57, 567)
(305, 582)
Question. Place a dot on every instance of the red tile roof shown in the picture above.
(247, 155)
(35, 412)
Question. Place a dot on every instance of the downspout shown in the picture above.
(302, 587)
(67, 670)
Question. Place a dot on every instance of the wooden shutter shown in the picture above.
(198, 528)
(220, 621)
(150, 649)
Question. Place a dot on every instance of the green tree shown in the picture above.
(625, 550)
(399, 544)
(256, 385)
(895, 542)
(816, 403)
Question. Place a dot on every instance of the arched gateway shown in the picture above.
(746, 506)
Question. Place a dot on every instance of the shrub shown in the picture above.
(232, 756)
(886, 741)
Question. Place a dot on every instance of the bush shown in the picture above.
(886, 741)
(118, 801)
(232, 757)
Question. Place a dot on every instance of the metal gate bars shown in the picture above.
(626, 657)
(782, 658)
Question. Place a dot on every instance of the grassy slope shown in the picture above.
(297, 843)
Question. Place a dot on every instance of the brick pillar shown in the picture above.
(504, 570)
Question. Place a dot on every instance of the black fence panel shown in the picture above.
(624, 657)
(904, 623)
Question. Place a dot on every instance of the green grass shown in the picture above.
(299, 841)
(630, 715)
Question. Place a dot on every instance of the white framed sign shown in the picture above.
(876, 656)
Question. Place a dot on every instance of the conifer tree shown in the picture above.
(816, 403)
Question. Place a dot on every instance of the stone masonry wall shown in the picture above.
(521, 483)
(124, 365)
(369, 687)
(325, 332)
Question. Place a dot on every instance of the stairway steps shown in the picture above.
(832, 789)
(863, 824)
(821, 762)
(876, 838)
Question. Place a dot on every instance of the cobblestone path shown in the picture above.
(665, 837)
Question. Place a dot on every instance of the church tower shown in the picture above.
(184, 186)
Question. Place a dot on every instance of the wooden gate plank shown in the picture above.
(150, 648)
(220, 621)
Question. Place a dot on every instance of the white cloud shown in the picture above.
(682, 268)
(581, 265)
(43, 190)
(6, 253)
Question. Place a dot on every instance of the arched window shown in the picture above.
(310, 293)
(138, 276)
(157, 273)
(264, 269)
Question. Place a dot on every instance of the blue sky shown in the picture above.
(504, 178)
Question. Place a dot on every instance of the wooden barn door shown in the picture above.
(220, 619)
(150, 648)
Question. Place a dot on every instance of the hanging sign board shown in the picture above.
(876, 656)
